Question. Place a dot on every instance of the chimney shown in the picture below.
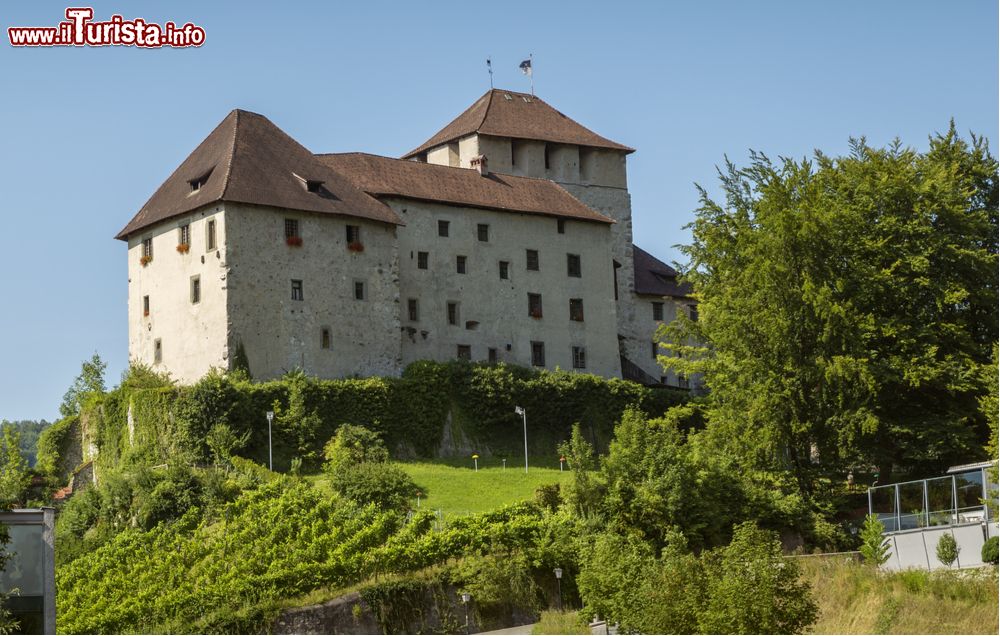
(478, 163)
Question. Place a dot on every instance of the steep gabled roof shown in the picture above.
(247, 159)
(653, 277)
(459, 186)
(521, 116)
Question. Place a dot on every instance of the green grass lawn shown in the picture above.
(458, 489)
(455, 488)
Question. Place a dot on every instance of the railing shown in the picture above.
(940, 501)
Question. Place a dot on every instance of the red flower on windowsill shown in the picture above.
(294, 241)
(535, 313)
(145, 260)
(183, 248)
(145, 314)
(356, 246)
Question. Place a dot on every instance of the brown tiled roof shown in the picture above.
(247, 159)
(458, 186)
(653, 277)
(521, 116)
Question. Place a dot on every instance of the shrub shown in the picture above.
(351, 446)
(991, 552)
(947, 549)
(874, 547)
(751, 589)
(382, 484)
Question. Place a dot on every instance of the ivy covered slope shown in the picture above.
(224, 569)
(433, 409)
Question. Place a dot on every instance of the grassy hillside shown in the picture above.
(461, 490)
(455, 488)
(855, 599)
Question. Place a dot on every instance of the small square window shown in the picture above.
(483, 232)
(504, 270)
(683, 382)
(532, 259)
(693, 313)
(195, 290)
(538, 354)
(297, 290)
(422, 258)
(184, 235)
(464, 352)
(452, 313)
(535, 305)
(579, 358)
(147, 248)
(561, 226)
(413, 309)
(654, 350)
(576, 309)
(353, 234)
(491, 355)
(291, 228)
(210, 235)
(359, 290)
(324, 338)
(573, 265)
(460, 264)
(548, 159)
(443, 228)
(145, 306)
(157, 351)
(657, 311)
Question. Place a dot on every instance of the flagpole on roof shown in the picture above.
(489, 67)
(525, 67)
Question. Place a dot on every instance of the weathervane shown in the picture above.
(489, 67)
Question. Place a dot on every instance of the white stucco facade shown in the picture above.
(337, 306)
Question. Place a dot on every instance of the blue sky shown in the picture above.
(86, 135)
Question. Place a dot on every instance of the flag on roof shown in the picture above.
(526, 67)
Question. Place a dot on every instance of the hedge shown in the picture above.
(410, 412)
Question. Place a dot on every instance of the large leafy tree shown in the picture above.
(848, 306)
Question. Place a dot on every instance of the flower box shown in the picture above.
(535, 313)
(356, 246)
(183, 248)
(294, 241)
(145, 260)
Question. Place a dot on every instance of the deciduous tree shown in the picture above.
(847, 307)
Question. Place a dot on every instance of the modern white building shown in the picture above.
(506, 237)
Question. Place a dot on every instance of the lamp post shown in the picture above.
(475, 461)
(562, 460)
(524, 417)
(558, 572)
(270, 454)
(466, 597)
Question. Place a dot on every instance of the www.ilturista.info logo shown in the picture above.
(80, 30)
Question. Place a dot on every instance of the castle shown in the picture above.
(506, 237)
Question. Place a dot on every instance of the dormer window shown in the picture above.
(197, 184)
(314, 186)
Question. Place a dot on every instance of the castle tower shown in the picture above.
(521, 134)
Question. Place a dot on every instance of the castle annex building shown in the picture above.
(506, 237)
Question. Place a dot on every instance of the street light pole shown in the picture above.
(558, 572)
(270, 454)
(466, 597)
(524, 416)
